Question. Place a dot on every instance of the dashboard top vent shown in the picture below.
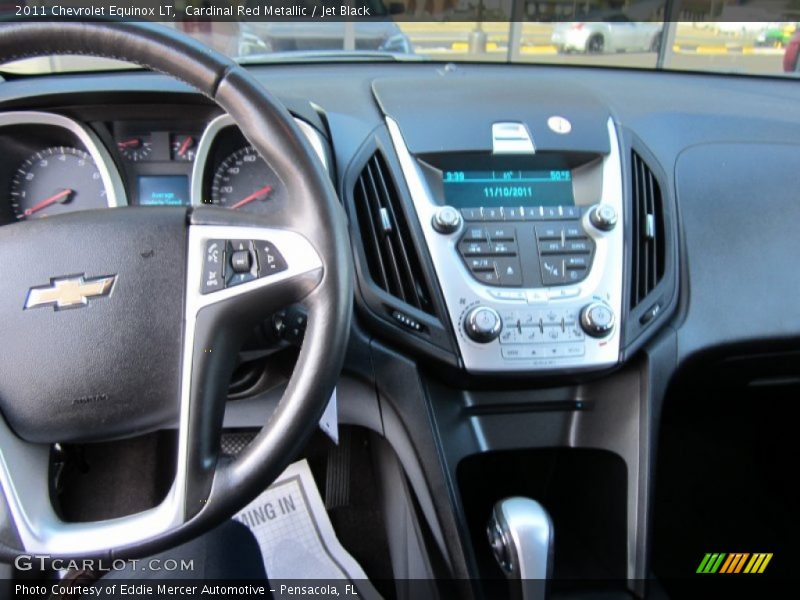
(389, 250)
(647, 220)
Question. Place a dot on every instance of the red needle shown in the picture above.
(59, 197)
(132, 142)
(185, 146)
(254, 196)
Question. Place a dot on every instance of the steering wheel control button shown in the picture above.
(597, 319)
(213, 263)
(270, 261)
(241, 261)
(446, 220)
(241, 265)
(483, 324)
(603, 217)
(290, 324)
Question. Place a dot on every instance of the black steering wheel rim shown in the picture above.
(315, 213)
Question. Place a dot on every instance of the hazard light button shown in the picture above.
(270, 260)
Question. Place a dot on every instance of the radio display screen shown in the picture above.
(163, 190)
(464, 189)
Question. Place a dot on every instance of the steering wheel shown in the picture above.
(110, 328)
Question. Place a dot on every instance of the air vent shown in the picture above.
(648, 246)
(392, 261)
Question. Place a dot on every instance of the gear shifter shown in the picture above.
(521, 536)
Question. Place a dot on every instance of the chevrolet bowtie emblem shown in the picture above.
(69, 292)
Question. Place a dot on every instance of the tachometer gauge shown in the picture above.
(243, 181)
(135, 148)
(54, 181)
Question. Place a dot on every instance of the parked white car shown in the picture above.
(616, 33)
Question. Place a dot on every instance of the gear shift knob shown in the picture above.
(521, 536)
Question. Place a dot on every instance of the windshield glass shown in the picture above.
(732, 36)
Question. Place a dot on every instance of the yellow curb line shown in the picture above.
(714, 50)
(463, 46)
(493, 47)
(538, 50)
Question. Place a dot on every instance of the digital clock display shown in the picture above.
(508, 188)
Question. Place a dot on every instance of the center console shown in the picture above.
(527, 246)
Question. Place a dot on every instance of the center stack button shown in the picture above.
(483, 324)
(446, 220)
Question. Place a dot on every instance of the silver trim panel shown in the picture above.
(462, 292)
(24, 472)
(221, 122)
(112, 182)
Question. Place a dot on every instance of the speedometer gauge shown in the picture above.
(54, 181)
(243, 181)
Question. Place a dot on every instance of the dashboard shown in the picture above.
(540, 252)
(520, 234)
(56, 164)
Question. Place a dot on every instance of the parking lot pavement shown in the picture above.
(752, 64)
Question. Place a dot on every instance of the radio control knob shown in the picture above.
(447, 220)
(483, 324)
(597, 319)
(603, 216)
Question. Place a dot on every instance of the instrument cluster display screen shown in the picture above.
(508, 188)
(163, 190)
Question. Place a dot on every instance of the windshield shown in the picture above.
(731, 36)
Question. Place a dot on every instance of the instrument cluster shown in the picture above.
(54, 165)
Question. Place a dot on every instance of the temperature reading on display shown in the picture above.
(498, 188)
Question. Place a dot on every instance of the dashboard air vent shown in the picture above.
(388, 248)
(648, 247)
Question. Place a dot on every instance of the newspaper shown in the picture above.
(295, 534)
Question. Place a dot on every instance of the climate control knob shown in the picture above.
(446, 220)
(482, 324)
(603, 216)
(597, 319)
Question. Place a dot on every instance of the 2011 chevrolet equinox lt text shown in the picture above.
(484, 299)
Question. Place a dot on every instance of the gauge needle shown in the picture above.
(185, 146)
(134, 142)
(254, 196)
(61, 196)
